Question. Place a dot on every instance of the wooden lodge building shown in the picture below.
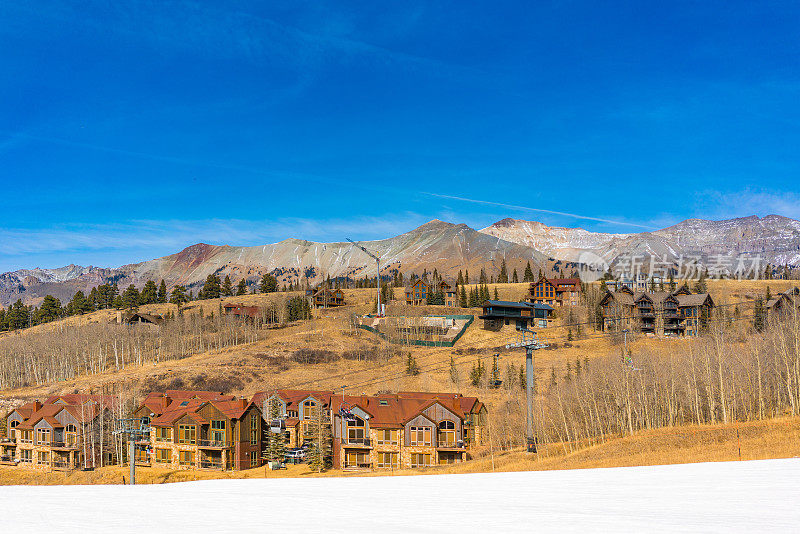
(62, 433)
(783, 304)
(404, 430)
(419, 291)
(327, 298)
(661, 313)
(497, 313)
(201, 430)
(555, 291)
(242, 312)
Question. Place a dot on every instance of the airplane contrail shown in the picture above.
(539, 210)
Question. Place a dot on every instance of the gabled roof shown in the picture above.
(293, 396)
(696, 299)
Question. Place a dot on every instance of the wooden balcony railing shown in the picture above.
(364, 442)
(211, 443)
(206, 464)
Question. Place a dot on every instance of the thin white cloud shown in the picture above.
(750, 201)
(175, 234)
(541, 210)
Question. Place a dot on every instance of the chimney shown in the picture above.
(37, 406)
(242, 402)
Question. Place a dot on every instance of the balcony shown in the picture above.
(210, 464)
(7, 441)
(358, 466)
(451, 445)
(362, 443)
(62, 465)
(62, 445)
(26, 441)
(213, 444)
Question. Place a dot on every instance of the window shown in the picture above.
(254, 429)
(26, 436)
(388, 460)
(26, 455)
(71, 435)
(357, 459)
(43, 457)
(388, 437)
(186, 458)
(447, 434)
(420, 460)
(13, 425)
(163, 456)
(42, 436)
(308, 408)
(218, 430)
(420, 435)
(163, 434)
(187, 434)
(383, 402)
(253, 459)
(356, 430)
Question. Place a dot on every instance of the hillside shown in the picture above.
(434, 245)
(774, 238)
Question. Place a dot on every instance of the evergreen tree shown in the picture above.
(241, 288)
(227, 287)
(482, 278)
(453, 371)
(178, 295)
(460, 279)
(528, 274)
(149, 293)
(50, 310)
(515, 278)
(412, 368)
(464, 301)
(319, 453)
(700, 285)
(495, 294)
(298, 308)
(162, 292)
(759, 315)
(269, 284)
(476, 374)
(211, 289)
(466, 276)
(671, 281)
(18, 316)
(502, 278)
(78, 305)
(768, 296)
(275, 449)
(130, 298)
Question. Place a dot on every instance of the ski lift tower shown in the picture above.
(135, 429)
(378, 275)
(527, 339)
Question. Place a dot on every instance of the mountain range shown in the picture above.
(438, 245)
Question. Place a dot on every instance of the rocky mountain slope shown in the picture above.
(435, 245)
(775, 239)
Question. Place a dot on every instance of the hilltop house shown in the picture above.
(555, 291)
(497, 313)
(63, 433)
(419, 291)
(666, 313)
(240, 311)
(327, 298)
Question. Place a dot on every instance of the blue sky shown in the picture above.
(129, 130)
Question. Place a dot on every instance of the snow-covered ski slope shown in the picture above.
(757, 496)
